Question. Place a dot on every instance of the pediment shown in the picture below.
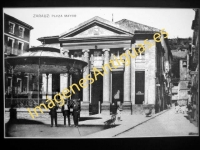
(95, 27)
(96, 31)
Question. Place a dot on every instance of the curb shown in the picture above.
(142, 122)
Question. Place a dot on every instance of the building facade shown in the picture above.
(16, 35)
(16, 41)
(135, 83)
(194, 64)
(180, 69)
(180, 82)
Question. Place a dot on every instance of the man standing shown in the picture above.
(76, 113)
(53, 113)
(66, 112)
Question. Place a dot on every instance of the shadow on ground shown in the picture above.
(10, 123)
(44, 130)
(88, 118)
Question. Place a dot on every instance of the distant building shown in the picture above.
(145, 81)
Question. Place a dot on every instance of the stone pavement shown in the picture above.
(94, 127)
(167, 124)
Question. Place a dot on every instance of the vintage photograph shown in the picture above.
(100, 72)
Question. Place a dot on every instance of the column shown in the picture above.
(50, 85)
(27, 83)
(106, 86)
(86, 92)
(127, 84)
(64, 77)
(133, 78)
(44, 86)
(63, 81)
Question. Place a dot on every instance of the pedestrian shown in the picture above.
(189, 107)
(13, 112)
(113, 109)
(66, 112)
(76, 114)
(177, 107)
(119, 114)
(53, 113)
(194, 111)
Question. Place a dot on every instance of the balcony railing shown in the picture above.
(9, 50)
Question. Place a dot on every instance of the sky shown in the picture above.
(177, 22)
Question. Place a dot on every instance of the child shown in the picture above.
(119, 113)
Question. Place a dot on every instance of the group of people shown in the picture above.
(190, 108)
(180, 108)
(191, 111)
(66, 110)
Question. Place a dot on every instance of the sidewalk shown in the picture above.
(128, 122)
(167, 124)
(89, 127)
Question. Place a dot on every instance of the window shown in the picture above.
(19, 83)
(116, 53)
(21, 32)
(9, 81)
(20, 47)
(10, 44)
(140, 52)
(11, 27)
(9, 85)
(77, 54)
(97, 55)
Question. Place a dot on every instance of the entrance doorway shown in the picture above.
(96, 94)
(139, 87)
(117, 87)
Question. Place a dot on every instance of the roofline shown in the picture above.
(48, 37)
(91, 21)
(139, 24)
(25, 24)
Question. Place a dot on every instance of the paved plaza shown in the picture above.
(165, 123)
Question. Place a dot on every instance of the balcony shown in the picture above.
(12, 51)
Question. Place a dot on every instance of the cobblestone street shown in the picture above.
(167, 124)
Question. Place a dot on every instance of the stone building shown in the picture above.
(16, 35)
(134, 83)
(180, 82)
(194, 64)
(16, 41)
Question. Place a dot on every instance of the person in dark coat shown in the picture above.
(53, 113)
(76, 111)
(113, 108)
(13, 112)
(66, 112)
